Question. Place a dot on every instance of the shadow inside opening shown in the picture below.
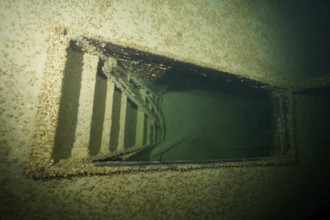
(209, 119)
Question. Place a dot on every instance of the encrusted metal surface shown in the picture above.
(257, 39)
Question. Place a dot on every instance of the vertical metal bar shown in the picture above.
(156, 133)
(131, 120)
(139, 129)
(153, 133)
(122, 122)
(115, 119)
(105, 144)
(99, 105)
(149, 132)
(159, 134)
(85, 110)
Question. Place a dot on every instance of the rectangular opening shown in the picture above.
(106, 109)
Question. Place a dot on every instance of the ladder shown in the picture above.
(105, 111)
